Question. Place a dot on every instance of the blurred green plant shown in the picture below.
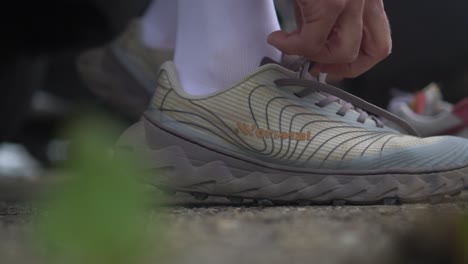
(434, 239)
(97, 215)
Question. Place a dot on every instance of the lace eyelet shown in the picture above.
(341, 114)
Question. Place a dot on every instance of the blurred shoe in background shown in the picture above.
(123, 74)
(15, 161)
(429, 114)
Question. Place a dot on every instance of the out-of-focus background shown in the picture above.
(41, 91)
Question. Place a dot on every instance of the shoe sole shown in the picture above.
(175, 164)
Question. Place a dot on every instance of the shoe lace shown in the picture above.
(332, 95)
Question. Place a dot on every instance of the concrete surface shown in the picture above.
(217, 232)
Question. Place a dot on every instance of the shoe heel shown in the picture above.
(132, 138)
(165, 163)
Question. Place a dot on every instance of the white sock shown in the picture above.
(159, 24)
(219, 42)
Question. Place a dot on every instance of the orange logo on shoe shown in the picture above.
(254, 131)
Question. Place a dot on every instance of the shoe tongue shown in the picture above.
(293, 63)
(268, 60)
(428, 101)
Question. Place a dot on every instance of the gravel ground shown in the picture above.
(217, 232)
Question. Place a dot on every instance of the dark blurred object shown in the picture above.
(40, 41)
(19, 78)
(54, 25)
(429, 45)
(434, 241)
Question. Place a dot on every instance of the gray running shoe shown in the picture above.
(123, 73)
(262, 140)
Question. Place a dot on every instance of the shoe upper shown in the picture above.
(257, 119)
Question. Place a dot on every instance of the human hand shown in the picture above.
(344, 37)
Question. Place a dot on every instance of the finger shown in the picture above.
(344, 44)
(298, 15)
(318, 19)
(378, 41)
(331, 78)
(287, 43)
(347, 70)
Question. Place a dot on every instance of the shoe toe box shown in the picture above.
(435, 153)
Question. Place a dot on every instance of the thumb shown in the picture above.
(288, 43)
